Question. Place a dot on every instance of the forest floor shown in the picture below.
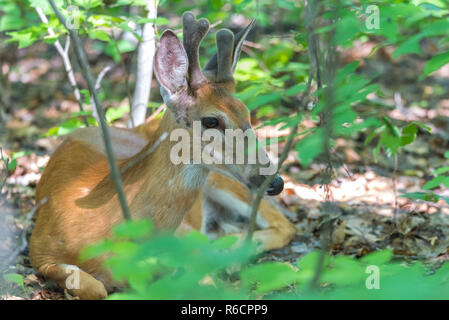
(363, 211)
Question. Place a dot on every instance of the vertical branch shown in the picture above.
(330, 65)
(64, 53)
(145, 58)
(395, 188)
(399, 106)
(115, 174)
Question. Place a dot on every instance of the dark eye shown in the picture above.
(209, 122)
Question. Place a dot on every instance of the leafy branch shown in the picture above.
(64, 53)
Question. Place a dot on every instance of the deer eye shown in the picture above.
(209, 122)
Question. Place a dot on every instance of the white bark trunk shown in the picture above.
(145, 58)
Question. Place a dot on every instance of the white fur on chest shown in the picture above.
(194, 176)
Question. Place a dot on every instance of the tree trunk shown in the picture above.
(145, 58)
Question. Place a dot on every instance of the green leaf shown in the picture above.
(343, 271)
(346, 71)
(423, 126)
(293, 91)
(378, 258)
(97, 249)
(268, 276)
(310, 147)
(100, 35)
(66, 127)
(45, 5)
(435, 182)
(390, 141)
(12, 165)
(24, 38)
(159, 21)
(435, 63)
(11, 22)
(441, 170)
(408, 134)
(133, 229)
(347, 28)
(225, 242)
(113, 114)
(308, 264)
(426, 196)
(14, 278)
(411, 45)
(264, 99)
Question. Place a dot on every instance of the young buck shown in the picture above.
(82, 204)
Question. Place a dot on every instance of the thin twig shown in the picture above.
(399, 106)
(97, 88)
(395, 188)
(64, 53)
(101, 76)
(155, 113)
(79, 52)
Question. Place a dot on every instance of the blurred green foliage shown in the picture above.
(161, 266)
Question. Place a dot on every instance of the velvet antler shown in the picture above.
(221, 66)
(193, 32)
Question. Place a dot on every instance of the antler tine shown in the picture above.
(225, 46)
(193, 32)
(219, 69)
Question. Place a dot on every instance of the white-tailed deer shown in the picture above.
(82, 203)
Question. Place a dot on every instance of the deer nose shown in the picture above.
(276, 186)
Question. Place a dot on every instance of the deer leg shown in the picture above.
(226, 212)
(76, 281)
(273, 238)
(270, 238)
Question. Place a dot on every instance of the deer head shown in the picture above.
(201, 103)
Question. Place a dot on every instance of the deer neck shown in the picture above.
(160, 189)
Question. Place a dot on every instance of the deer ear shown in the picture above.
(171, 65)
